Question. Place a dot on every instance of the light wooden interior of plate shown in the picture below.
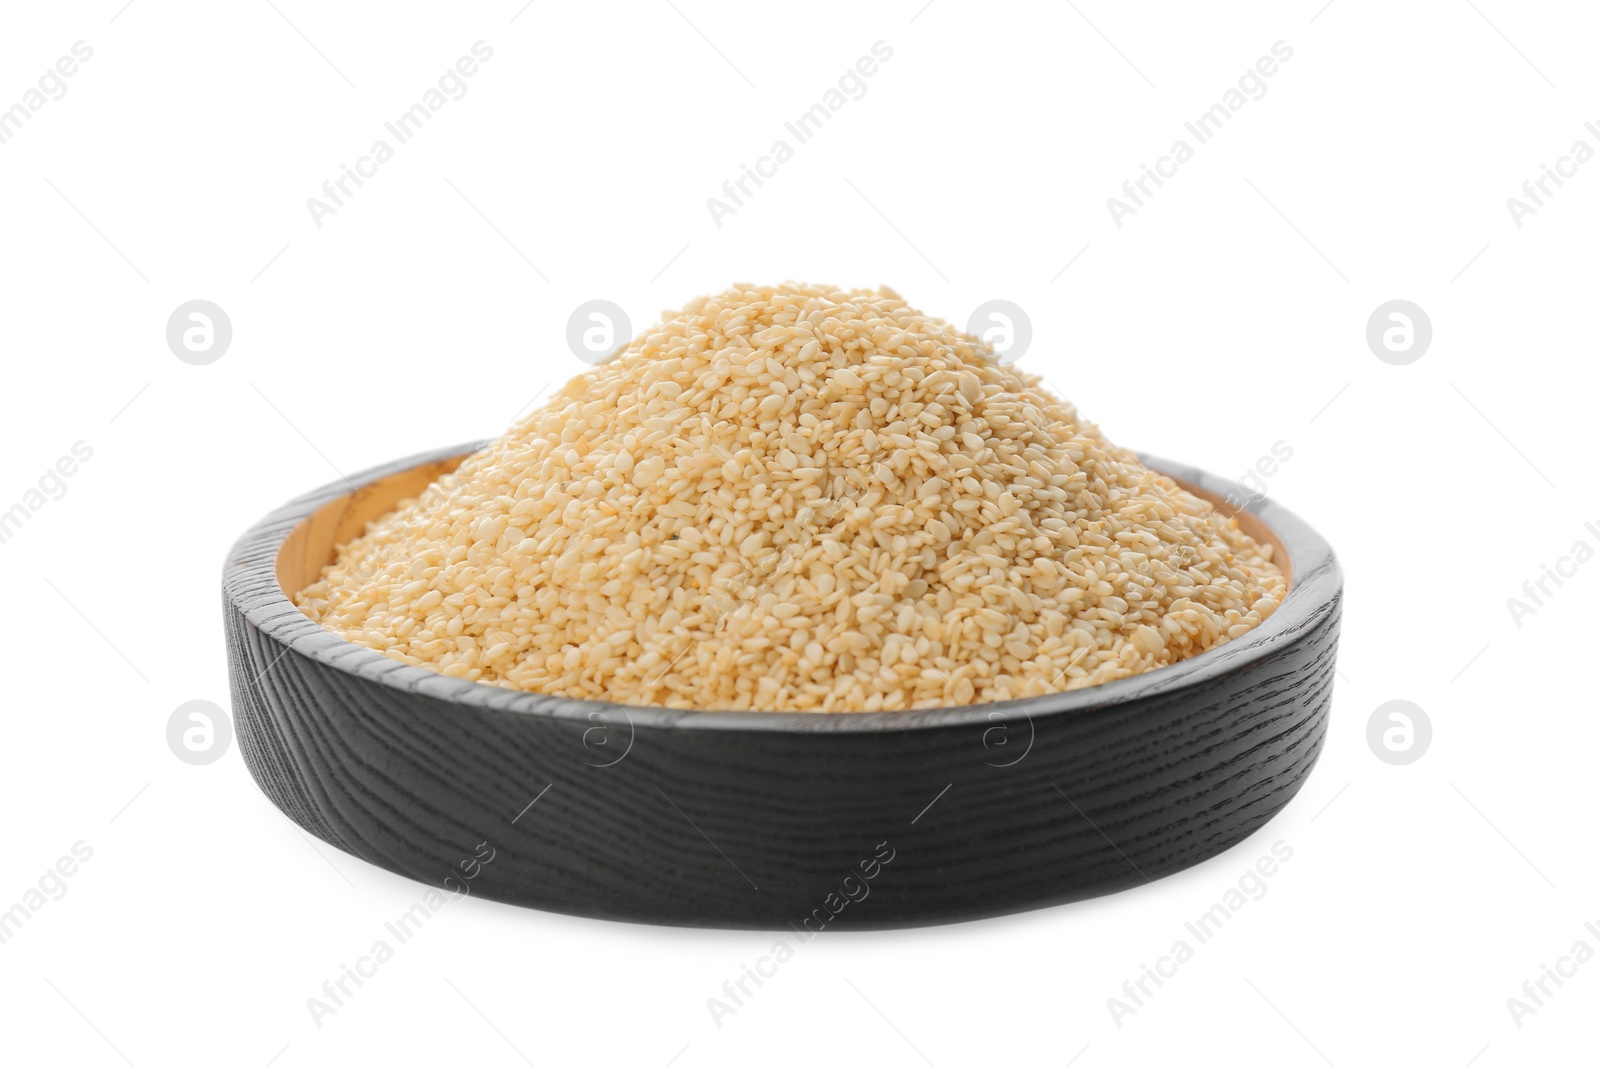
(314, 543)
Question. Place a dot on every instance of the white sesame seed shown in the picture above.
(799, 498)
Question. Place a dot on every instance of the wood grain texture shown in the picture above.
(756, 819)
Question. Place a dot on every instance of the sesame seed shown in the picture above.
(799, 498)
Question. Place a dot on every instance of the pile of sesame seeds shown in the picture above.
(799, 498)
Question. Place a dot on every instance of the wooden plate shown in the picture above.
(775, 820)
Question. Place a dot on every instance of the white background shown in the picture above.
(1225, 316)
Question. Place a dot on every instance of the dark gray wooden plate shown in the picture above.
(767, 820)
